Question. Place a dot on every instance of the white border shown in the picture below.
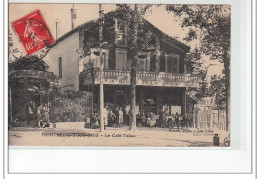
(236, 160)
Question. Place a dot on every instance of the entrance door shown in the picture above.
(120, 100)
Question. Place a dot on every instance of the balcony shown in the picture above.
(118, 77)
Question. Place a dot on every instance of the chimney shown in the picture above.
(73, 17)
(57, 28)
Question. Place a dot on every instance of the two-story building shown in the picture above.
(162, 81)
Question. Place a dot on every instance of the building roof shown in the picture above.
(112, 14)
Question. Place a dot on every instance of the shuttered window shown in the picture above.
(172, 63)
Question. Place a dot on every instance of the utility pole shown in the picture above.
(101, 90)
(132, 126)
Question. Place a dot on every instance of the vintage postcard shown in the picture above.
(119, 75)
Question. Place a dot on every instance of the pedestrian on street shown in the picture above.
(177, 119)
(116, 112)
(45, 115)
(121, 120)
(39, 116)
(105, 114)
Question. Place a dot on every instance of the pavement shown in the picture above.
(74, 134)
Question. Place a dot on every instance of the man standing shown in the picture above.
(177, 119)
(116, 112)
(39, 116)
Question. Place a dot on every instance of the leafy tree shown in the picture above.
(28, 63)
(213, 25)
(217, 88)
(139, 37)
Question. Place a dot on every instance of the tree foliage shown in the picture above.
(28, 63)
(217, 88)
(212, 23)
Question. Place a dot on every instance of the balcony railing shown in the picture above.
(118, 77)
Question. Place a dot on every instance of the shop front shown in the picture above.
(155, 92)
(148, 99)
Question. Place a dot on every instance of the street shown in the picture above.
(76, 135)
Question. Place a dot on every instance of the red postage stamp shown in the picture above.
(33, 32)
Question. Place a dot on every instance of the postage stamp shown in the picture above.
(33, 32)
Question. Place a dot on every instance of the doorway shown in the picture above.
(120, 100)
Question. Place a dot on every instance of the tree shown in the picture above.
(28, 63)
(212, 23)
(217, 88)
(136, 33)
(136, 43)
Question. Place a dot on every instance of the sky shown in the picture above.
(158, 16)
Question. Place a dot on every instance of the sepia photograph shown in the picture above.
(119, 75)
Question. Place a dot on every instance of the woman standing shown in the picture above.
(45, 115)
(39, 116)
(121, 120)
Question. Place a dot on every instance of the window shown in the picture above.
(60, 67)
(162, 63)
(142, 64)
(94, 58)
(153, 62)
(120, 64)
(172, 63)
(121, 58)
(105, 60)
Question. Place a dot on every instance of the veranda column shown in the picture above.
(157, 54)
(184, 103)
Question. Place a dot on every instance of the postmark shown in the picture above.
(33, 32)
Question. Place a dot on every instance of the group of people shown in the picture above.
(146, 119)
(170, 121)
(43, 116)
(41, 113)
(162, 120)
(113, 117)
(116, 117)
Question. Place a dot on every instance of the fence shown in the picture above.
(70, 106)
(209, 119)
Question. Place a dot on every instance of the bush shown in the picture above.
(70, 106)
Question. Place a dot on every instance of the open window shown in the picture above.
(143, 62)
(92, 59)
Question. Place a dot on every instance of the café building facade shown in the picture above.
(161, 79)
